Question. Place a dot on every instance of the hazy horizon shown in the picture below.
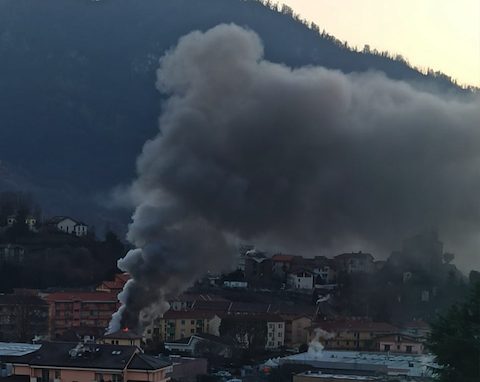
(440, 35)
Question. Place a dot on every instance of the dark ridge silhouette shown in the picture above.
(78, 95)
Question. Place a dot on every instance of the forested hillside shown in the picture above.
(77, 82)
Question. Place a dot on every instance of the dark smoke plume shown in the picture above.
(307, 157)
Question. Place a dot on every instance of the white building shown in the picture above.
(68, 225)
(301, 279)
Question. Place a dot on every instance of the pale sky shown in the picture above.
(439, 34)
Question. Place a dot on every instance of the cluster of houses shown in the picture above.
(25, 315)
(285, 329)
(14, 253)
(63, 224)
(296, 272)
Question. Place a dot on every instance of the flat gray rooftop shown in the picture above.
(16, 349)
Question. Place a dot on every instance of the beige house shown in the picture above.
(296, 330)
(353, 334)
(65, 362)
(400, 343)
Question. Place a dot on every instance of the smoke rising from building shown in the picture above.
(305, 157)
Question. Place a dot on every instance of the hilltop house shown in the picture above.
(68, 225)
(301, 279)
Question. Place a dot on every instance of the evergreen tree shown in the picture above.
(455, 341)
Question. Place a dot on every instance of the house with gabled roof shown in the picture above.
(87, 362)
(68, 225)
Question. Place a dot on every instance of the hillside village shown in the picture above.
(271, 305)
(233, 128)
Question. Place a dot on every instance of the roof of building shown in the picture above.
(381, 363)
(398, 337)
(148, 362)
(100, 356)
(256, 317)
(211, 305)
(124, 277)
(77, 333)
(203, 336)
(359, 254)
(196, 297)
(16, 349)
(331, 377)
(189, 314)
(82, 296)
(124, 334)
(357, 325)
(58, 219)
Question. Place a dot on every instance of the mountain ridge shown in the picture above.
(78, 79)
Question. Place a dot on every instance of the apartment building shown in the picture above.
(175, 325)
(70, 310)
(67, 362)
(275, 331)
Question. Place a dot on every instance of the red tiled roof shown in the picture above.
(82, 296)
(123, 277)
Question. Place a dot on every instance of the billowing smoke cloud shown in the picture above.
(307, 157)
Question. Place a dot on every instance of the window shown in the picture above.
(409, 348)
(192, 330)
(386, 347)
(98, 377)
(192, 322)
(182, 322)
(279, 334)
(57, 374)
(117, 378)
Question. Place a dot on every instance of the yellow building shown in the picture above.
(181, 324)
(353, 334)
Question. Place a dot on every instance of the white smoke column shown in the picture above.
(303, 157)
(315, 347)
